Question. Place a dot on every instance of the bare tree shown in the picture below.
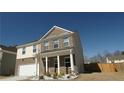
(107, 54)
(117, 53)
(86, 59)
(96, 59)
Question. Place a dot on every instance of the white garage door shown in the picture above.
(27, 70)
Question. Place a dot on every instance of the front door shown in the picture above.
(55, 65)
(67, 64)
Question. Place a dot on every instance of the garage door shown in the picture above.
(27, 70)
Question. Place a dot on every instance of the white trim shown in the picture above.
(54, 42)
(66, 42)
(71, 61)
(67, 50)
(46, 64)
(64, 29)
(46, 47)
(58, 61)
(10, 52)
(58, 28)
(37, 67)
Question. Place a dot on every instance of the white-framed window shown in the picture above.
(34, 49)
(23, 50)
(56, 44)
(46, 45)
(66, 42)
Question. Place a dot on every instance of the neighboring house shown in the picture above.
(58, 51)
(7, 60)
(115, 59)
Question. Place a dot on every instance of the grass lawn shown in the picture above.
(116, 76)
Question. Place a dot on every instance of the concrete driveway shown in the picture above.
(16, 78)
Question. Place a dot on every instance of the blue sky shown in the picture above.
(99, 32)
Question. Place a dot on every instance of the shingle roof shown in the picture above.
(8, 48)
(27, 43)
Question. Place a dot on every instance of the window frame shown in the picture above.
(46, 47)
(68, 41)
(34, 48)
(55, 42)
(23, 50)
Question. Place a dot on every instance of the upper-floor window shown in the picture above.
(66, 42)
(23, 50)
(56, 44)
(34, 49)
(46, 45)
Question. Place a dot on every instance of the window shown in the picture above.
(66, 42)
(34, 48)
(67, 61)
(46, 45)
(23, 50)
(56, 44)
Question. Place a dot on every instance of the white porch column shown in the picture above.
(46, 64)
(71, 61)
(58, 62)
(37, 67)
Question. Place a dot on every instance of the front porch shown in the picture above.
(59, 64)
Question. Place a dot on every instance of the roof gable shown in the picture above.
(54, 31)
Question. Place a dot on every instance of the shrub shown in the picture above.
(61, 74)
(48, 74)
(55, 75)
(41, 77)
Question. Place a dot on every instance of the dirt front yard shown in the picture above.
(2, 77)
(112, 76)
(116, 76)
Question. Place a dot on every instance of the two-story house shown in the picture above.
(59, 50)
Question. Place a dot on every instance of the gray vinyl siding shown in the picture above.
(8, 64)
(78, 52)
